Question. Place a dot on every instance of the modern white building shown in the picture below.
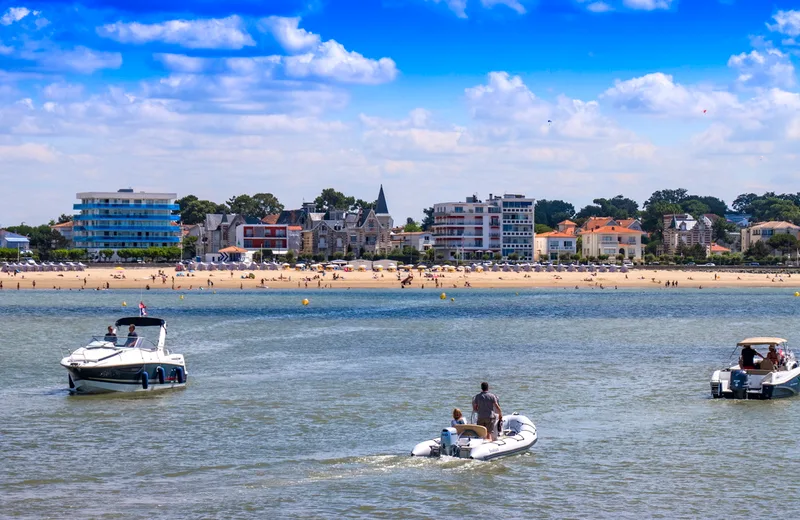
(474, 228)
(125, 219)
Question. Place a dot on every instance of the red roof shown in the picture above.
(270, 219)
(556, 234)
(716, 248)
(613, 229)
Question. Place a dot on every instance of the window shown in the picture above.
(479, 209)
(459, 209)
(568, 244)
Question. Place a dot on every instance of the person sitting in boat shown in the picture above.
(748, 357)
(133, 337)
(110, 336)
(773, 356)
(458, 418)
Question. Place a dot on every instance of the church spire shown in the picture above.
(380, 207)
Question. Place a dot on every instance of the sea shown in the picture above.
(310, 411)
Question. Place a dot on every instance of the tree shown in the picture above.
(775, 208)
(64, 218)
(247, 206)
(758, 250)
(720, 229)
(741, 204)
(694, 208)
(290, 256)
(331, 199)
(513, 257)
(428, 221)
(268, 204)
(659, 204)
(712, 205)
(411, 226)
(541, 228)
(783, 242)
(617, 208)
(551, 212)
(106, 253)
(189, 246)
(360, 204)
(193, 210)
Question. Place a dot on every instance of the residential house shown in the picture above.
(716, 249)
(419, 240)
(611, 240)
(11, 240)
(740, 219)
(66, 230)
(683, 229)
(765, 231)
(598, 222)
(555, 245)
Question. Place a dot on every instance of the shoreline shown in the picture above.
(166, 279)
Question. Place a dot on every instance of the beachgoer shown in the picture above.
(132, 336)
(772, 355)
(485, 404)
(458, 418)
(110, 336)
(748, 357)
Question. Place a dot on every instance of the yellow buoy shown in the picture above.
(125, 304)
(442, 296)
(452, 299)
(797, 294)
(181, 296)
(305, 301)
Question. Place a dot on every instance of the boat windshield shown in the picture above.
(123, 341)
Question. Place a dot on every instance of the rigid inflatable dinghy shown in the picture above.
(468, 441)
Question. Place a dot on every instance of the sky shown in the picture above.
(436, 100)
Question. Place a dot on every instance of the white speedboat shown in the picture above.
(468, 441)
(132, 364)
(764, 380)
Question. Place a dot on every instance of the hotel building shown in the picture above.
(474, 228)
(125, 219)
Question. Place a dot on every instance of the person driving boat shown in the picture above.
(747, 360)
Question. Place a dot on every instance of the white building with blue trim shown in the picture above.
(14, 241)
(125, 219)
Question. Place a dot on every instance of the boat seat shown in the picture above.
(471, 430)
(766, 364)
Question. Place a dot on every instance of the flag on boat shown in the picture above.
(142, 309)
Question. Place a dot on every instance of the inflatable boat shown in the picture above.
(468, 441)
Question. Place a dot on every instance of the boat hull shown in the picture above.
(775, 385)
(137, 377)
(521, 437)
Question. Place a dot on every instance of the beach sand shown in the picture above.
(139, 278)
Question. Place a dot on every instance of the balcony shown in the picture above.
(162, 229)
(98, 205)
(172, 239)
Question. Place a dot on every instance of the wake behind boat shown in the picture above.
(468, 441)
(132, 364)
(768, 379)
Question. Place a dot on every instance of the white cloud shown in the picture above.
(786, 22)
(647, 5)
(330, 60)
(213, 33)
(506, 98)
(459, 7)
(14, 14)
(181, 62)
(62, 91)
(288, 34)
(657, 93)
(599, 7)
(768, 68)
(28, 152)
(5, 50)
(80, 59)
(511, 4)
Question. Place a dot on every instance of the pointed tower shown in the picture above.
(380, 207)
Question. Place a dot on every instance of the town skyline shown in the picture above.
(434, 99)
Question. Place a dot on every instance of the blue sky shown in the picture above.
(434, 99)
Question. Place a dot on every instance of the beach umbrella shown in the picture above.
(119, 268)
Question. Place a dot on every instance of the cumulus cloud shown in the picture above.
(768, 68)
(786, 22)
(80, 59)
(288, 34)
(657, 93)
(14, 14)
(213, 33)
(506, 98)
(181, 62)
(62, 91)
(599, 7)
(330, 60)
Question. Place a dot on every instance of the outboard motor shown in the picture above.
(449, 442)
(739, 383)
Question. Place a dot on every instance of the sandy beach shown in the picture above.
(95, 278)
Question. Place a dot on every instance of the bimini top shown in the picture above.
(761, 341)
(141, 321)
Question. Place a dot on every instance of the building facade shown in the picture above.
(474, 228)
(66, 230)
(278, 238)
(125, 219)
(683, 229)
(419, 240)
(765, 231)
(9, 240)
(611, 241)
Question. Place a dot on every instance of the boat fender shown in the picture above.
(160, 373)
(145, 380)
(179, 374)
(71, 382)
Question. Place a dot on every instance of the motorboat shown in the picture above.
(468, 441)
(132, 364)
(766, 380)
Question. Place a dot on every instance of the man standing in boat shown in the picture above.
(485, 404)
